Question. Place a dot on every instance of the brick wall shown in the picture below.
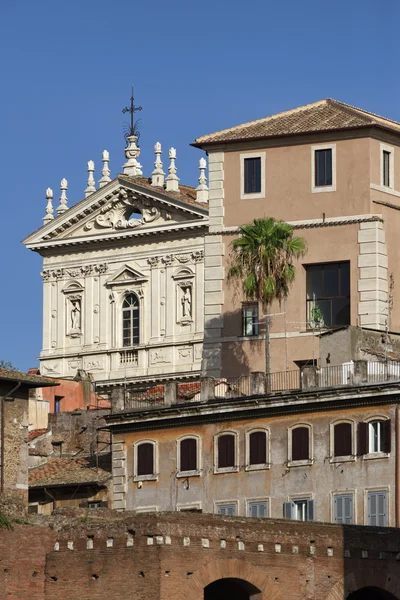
(173, 556)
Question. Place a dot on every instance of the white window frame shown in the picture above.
(374, 455)
(256, 195)
(153, 476)
(339, 459)
(234, 469)
(380, 488)
(390, 149)
(146, 509)
(182, 506)
(301, 463)
(266, 499)
(224, 502)
(300, 498)
(317, 189)
(341, 492)
(263, 466)
(196, 472)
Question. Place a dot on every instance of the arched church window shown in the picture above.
(130, 321)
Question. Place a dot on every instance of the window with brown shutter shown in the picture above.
(362, 441)
(387, 441)
(300, 443)
(188, 454)
(258, 448)
(226, 451)
(342, 439)
(145, 459)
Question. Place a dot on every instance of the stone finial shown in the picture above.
(172, 180)
(49, 207)
(91, 184)
(62, 207)
(105, 170)
(202, 189)
(157, 176)
(132, 166)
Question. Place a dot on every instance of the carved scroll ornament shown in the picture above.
(115, 214)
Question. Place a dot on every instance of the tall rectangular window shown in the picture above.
(343, 509)
(323, 167)
(301, 509)
(226, 451)
(250, 319)
(377, 509)
(301, 443)
(145, 459)
(342, 439)
(386, 168)
(57, 403)
(328, 294)
(252, 175)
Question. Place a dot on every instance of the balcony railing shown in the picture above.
(257, 384)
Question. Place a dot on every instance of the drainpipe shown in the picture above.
(397, 467)
(2, 436)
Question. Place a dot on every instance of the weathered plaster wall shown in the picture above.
(278, 483)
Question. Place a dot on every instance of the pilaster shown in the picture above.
(119, 475)
(373, 276)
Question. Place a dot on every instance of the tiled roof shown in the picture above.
(325, 115)
(70, 471)
(34, 433)
(186, 193)
(26, 378)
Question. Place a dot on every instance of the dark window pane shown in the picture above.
(323, 167)
(314, 281)
(341, 312)
(252, 175)
(345, 279)
(300, 443)
(342, 440)
(258, 448)
(145, 459)
(188, 450)
(226, 451)
(331, 280)
(386, 168)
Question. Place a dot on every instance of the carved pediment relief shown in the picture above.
(125, 276)
(126, 212)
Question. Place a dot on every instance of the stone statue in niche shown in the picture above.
(186, 302)
(75, 316)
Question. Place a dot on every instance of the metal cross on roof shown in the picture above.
(132, 109)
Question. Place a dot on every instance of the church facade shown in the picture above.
(123, 276)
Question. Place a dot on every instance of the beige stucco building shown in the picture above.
(333, 172)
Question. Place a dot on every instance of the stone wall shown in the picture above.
(172, 556)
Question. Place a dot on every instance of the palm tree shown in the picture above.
(262, 260)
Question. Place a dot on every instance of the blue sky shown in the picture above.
(66, 72)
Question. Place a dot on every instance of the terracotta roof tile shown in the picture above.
(186, 193)
(324, 115)
(64, 471)
(34, 433)
(27, 378)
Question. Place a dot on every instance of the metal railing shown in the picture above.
(361, 372)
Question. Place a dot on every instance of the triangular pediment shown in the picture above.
(126, 275)
(124, 207)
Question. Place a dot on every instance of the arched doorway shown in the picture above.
(371, 593)
(231, 588)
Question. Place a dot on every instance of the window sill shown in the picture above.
(186, 474)
(340, 459)
(385, 189)
(145, 477)
(317, 189)
(300, 463)
(374, 455)
(226, 470)
(261, 467)
(252, 196)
